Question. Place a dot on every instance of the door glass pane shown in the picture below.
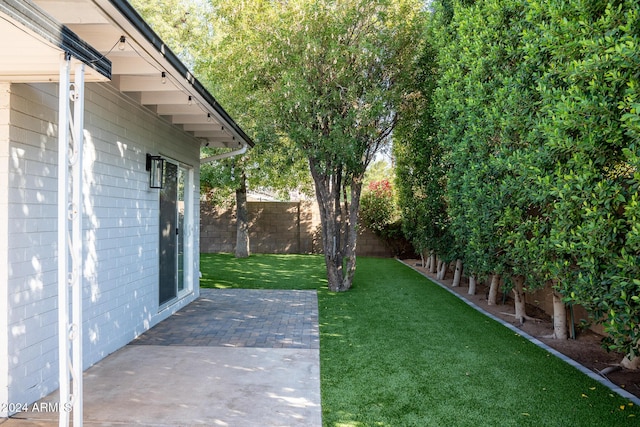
(168, 234)
(182, 232)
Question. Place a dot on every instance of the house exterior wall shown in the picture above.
(120, 229)
(4, 231)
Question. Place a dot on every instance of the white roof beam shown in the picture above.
(192, 127)
(214, 135)
(198, 119)
(152, 82)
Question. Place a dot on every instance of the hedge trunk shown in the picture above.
(432, 263)
(457, 276)
(560, 330)
(518, 296)
(472, 285)
(493, 289)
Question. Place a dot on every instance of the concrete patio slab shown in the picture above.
(229, 382)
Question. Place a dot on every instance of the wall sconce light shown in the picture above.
(155, 166)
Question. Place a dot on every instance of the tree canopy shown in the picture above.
(321, 79)
(194, 31)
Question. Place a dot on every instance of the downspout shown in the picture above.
(238, 152)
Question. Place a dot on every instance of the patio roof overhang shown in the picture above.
(40, 41)
(36, 32)
(32, 43)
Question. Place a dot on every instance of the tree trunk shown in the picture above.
(632, 364)
(432, 263)
(518, 296)
(493, 289)
(472, 285)
(339, 218)
(458, 273)
(560, 330)
(353, 209)
(442, 273)
(242, 219)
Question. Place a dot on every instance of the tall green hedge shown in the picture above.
(532, 120)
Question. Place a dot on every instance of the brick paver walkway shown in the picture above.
(242, 318)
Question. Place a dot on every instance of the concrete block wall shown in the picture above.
(120, 229)
(276, 227)
(543, 299)
(371, 245)
(217, 229)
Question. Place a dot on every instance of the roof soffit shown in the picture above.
(32, 45)
(138, 64)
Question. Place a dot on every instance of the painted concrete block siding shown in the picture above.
(5, 97)
(120, 241)
(31, 240)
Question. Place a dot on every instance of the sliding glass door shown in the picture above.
(174, 232)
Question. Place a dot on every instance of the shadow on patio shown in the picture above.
(234, 357)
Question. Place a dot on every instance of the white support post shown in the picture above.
(77, 259)
(63, 245)
(70, 147)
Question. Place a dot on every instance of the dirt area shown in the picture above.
(585, 349)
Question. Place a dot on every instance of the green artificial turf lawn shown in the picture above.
(397, 350)
(262, 271)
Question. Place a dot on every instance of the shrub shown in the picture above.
(378, 209)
